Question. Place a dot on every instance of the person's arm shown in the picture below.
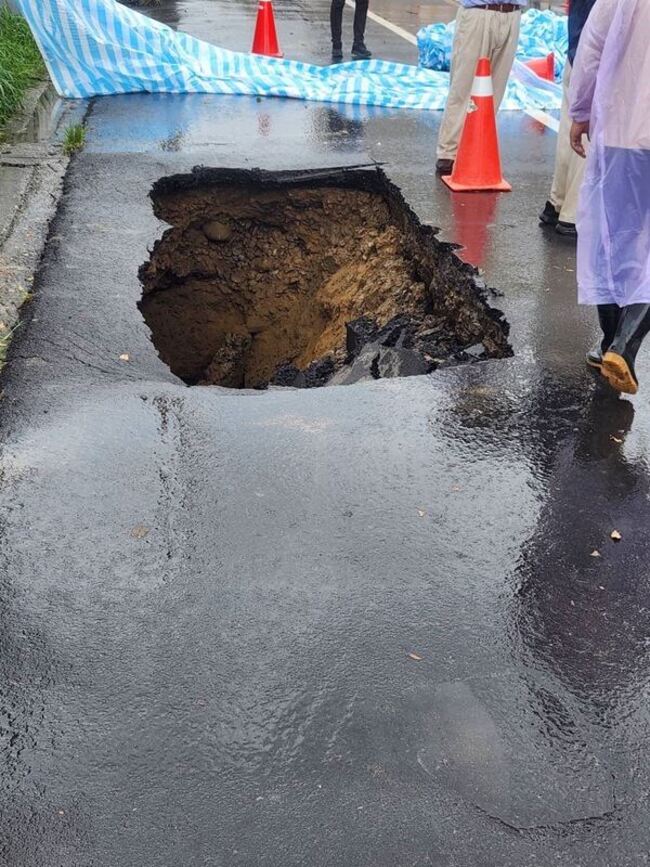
(585, 69)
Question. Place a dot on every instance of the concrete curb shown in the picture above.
(32, 170)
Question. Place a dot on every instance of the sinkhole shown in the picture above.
(307, 278)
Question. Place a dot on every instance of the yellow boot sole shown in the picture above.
(617, 372)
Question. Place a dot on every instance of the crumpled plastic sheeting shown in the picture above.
(541, 32)
(99, 47)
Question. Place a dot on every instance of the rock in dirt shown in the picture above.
(357, 333)
(319, 372)
(402, 362)
(289, 376)
(475, 351)
(398, 331)
(364, 367)
(217, 231)
(228, 365)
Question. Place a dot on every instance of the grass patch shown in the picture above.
(20, 61)
(74, 138)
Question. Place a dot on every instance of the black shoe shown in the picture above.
(618, 362)
(337, 55)
(360, 52)
(595, 358)
(566, 229)
(549, 215)
(444, 167)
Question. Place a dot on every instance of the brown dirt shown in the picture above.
(249, 278)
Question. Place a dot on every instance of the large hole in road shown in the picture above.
(307, 278)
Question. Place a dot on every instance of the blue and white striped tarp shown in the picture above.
(99, 47)
(542, 31)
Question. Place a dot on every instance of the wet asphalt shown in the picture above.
(352, 626)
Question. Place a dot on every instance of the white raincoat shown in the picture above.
(610, 87)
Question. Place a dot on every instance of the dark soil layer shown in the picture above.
(262, 273)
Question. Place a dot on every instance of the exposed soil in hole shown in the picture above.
(306, 277)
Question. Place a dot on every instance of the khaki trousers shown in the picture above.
(479, 33)
(569, 167)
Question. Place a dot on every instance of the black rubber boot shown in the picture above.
(608, 316)
(618, 362)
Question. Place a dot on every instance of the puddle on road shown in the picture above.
(306, 278)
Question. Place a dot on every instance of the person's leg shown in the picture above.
(563, 149)
(609, 316)
(469, 44)
(575, 175)
(336, 23)
(503, 39)
(360, 16)
(574, 168)
(625, 221)
(618, 361)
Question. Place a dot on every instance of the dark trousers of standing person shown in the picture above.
(336, 22)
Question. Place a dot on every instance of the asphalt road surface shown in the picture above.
(209, 598)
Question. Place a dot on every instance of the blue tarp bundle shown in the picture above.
(98, 47)
(541, 32)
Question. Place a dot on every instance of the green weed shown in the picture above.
(74, 138)
(20, 61)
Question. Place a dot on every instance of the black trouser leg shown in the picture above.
(336, 22)
(633, 326)
(618, 362)
(360, 16)
(608, 316)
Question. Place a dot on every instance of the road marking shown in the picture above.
(536, 113)
(399, 31)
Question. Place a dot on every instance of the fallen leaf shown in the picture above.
(595, 553)
(124, 356)
(140, 531)
(421, 513)
(615, 439)
(616, 536)
(456, 488)
(415, 657)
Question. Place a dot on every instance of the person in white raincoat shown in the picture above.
(610, 102)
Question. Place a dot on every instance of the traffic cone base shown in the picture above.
(265, 40)
(543, 66)
(478, 165)
(501, 186)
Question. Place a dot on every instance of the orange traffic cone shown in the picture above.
(543, 66)
(265, 40)
(477, 165)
